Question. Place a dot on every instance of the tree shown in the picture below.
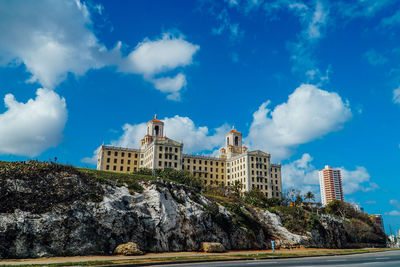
(310, 196)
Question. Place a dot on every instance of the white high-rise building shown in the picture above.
(330, 182)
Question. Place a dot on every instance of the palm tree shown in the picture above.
(310, 196)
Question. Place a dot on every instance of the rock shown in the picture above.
(128, 249)
(165, 217)
(212, 247)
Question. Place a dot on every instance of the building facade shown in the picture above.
(235, 164)
(330, 182)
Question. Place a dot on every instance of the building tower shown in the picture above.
(233, 143)
(155, 129)
(330, 182)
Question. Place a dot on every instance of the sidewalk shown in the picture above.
(181, 256)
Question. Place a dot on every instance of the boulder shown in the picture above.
(128, 249)
(212, 247)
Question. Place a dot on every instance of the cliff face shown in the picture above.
(164, 217)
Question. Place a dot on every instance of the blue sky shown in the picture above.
(312, 82)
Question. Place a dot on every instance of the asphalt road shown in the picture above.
(387, 258)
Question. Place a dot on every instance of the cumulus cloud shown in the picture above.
(93, 159)
(27, 129)
(182, 129)
(153, 57)
(54, 38)
(302, 174)
(51, 38)
(308, 114)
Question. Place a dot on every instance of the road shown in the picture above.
(387, 258)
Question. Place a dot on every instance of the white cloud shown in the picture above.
(93, 159)
(27, 129)
(182, 129)
(318, 21)
(302, 175)
(171, 85)
(225, 25)
(308, 114)
(395, 203)
(393, 20)
(54, 38)
(396, 95)
(153, 57)
(374, 58)
(393, 213)
(51, 38)
(356, 180)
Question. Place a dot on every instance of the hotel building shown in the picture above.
(252, 169)
(330, 183)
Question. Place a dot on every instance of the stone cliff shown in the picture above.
(71, 215)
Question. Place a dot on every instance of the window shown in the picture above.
(169, 164)
(129, 155)
(114, 168)
(188, 160)
(159, 163)
(129, 161)
(122, 154)
(176, 157)
(141, 155)
(170, 149)
(199, 161)
(141, 162)
(165, 164)
(276, 175)
(170, 156)
(252, 179)
(160, 148)
(107, 167)
(116, 154)
(176, 164)
(236, 141)
(216, 169)
(205, 168)
(205, 175)
(194, 161)
(128, 169)
(115, 160)
(136, 155)
(135, 162)
(176, 150)
(108, 160)
(108, 153)
(216, 176)
(222, 177)
(211, 175)
(122, 161)
(211, 163)
(252, 159)
(165, 156)
(216, 164)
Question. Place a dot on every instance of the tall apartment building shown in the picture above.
(330, 182)
(252, 169)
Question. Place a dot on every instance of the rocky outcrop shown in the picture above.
(164, 217)
(210, 247)
(128, 249)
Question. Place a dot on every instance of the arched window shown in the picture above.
(227, 141)
(156, 129)
(236, 141)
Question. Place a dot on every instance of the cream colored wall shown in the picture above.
(122, 161)
(168, 156)
(210, 171)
